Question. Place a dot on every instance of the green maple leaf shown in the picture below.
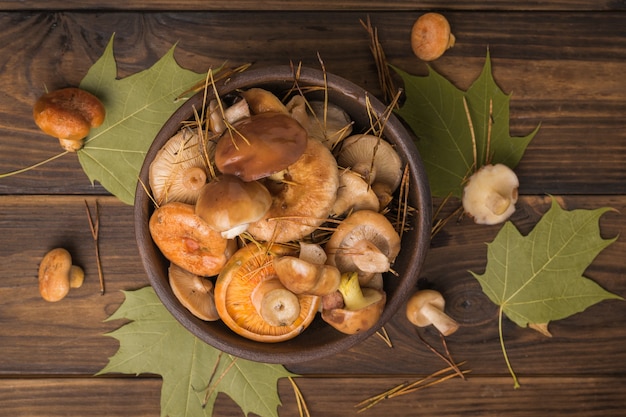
(154, 342)
(539, 278)
(137, 106)
(452, 145)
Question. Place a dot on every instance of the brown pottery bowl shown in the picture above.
(319, 339)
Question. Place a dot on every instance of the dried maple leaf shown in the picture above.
(193, 372)
(538, 278)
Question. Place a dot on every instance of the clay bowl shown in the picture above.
(319, 339)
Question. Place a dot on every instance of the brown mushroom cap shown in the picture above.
(426, 307)
(188, 241)
(54, 275)
(68, 114)
(229, 204)
(179, 171)
(193, 292)
(303, 200)
(431, 36)
(302, 277)
(246, 269)
(262, 101)
(260, 145)
(359, 231)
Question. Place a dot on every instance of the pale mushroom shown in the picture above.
(253, 304)
(188, 241)
(354, 194)
(228, 204)
(328, 123)
(377, 162)
(426, 307)
(302, 199)
(366, 242)
(194, 292)
(260, 145)
(220, 117)
(179, 170)
(490, 194)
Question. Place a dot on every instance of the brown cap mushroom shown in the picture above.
(229, 204)
(303, 277)
(426, 307)
(366, 242)
(362, 306)
(354, 194)
(260, 145)
(377, 162)
(195, 293)
(68, 114)
(490, 194)
(263, 101)
(178, 171)
(431, 36)
(188, 241)
(57, 275)
(302, 199)
(241, 291)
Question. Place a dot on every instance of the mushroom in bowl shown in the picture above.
(303, 195)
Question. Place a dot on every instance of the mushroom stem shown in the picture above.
(353, 297)
(277, 305)
(368, 258)
(442, 322)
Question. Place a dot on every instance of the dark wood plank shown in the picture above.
(42, 338)
(575, 89)
(306, 5)
(104, 396)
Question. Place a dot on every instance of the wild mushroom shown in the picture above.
(263, 101)
(426, 307)
(188, 241)
(303, 277)
(362, 307)
(328, 123)
(260, 145)
(228, 204)
(431, 36)
(195, 293)
(179, 171)
(377, 162)
(68, 114)
(354, 194)
(365, 242)
(251, 301)
(490, 194)
(301, 199)
(219, 117)
(57, 275)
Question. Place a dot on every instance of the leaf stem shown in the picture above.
(37, 165)
(516, 384)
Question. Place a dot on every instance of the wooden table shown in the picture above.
(563, 62)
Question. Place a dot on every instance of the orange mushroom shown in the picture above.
(245, 280)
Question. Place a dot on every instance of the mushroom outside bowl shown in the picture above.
(319, 339)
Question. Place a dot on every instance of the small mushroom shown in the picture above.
(377, 162)
(362, 307)
(229, 204)
(68, 114)
(260, 145)
(302, 199)
(263, 101)
(490, 194)
(245, 301)
(57, 275)
(220, 117)
(328, 123)
(426, 307)
(365, 242)
(431, 36)
(178, 171)
(303, 277)
(195, 293)
(188, 241)
(354, 194)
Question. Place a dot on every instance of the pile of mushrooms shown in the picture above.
(272, 212)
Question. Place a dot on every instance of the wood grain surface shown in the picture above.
(563, 64)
